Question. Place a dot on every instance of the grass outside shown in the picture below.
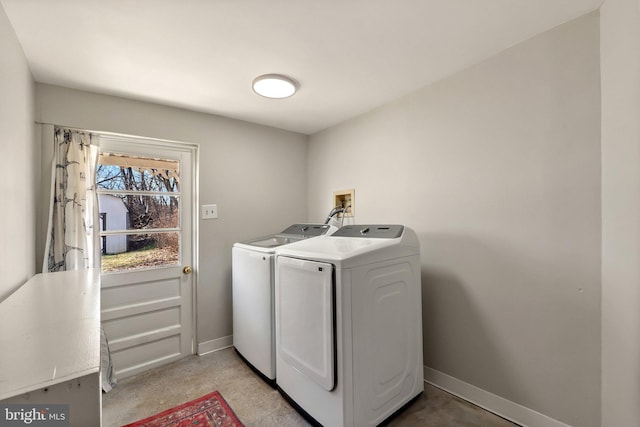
(149, 257)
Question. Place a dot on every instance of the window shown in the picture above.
(139, 200)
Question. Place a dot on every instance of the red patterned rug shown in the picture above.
(206, 411)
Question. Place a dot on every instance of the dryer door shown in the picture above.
(305, 318)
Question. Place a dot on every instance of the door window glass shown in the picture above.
(139, 200)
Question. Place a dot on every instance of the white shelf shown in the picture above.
(50, 331)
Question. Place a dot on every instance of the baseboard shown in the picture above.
(493, 403)
(215, 345)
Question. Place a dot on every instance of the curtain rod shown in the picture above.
(69, 127)
(121, 135)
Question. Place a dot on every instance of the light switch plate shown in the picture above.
(209, 212)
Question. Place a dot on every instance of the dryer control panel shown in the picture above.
(375, 231)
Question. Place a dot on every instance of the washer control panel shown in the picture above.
(306, 230)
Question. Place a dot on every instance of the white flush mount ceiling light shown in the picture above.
(274, 86)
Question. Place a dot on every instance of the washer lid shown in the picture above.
(291, 234)
(272, 241)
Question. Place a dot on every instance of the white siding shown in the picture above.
(116, 219)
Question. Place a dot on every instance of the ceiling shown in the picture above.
(349, 56)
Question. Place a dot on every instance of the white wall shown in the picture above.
(19, 163)
(620, 51)
(497, 168)
(256, 175)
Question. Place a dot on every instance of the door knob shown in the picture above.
(187, 270)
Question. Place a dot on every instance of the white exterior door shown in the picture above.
(147, 295)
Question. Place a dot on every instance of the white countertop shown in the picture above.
(50, 331)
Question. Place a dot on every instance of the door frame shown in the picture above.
(194, 148)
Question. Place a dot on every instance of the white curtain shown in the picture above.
(73, 237)
(73, 234)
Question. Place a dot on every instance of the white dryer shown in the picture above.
(253, 295)
(349, 324)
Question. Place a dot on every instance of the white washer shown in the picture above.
(253, 300)
(349, 324)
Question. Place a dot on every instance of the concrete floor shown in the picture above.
(255, 402)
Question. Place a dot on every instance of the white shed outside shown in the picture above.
(113, 216)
